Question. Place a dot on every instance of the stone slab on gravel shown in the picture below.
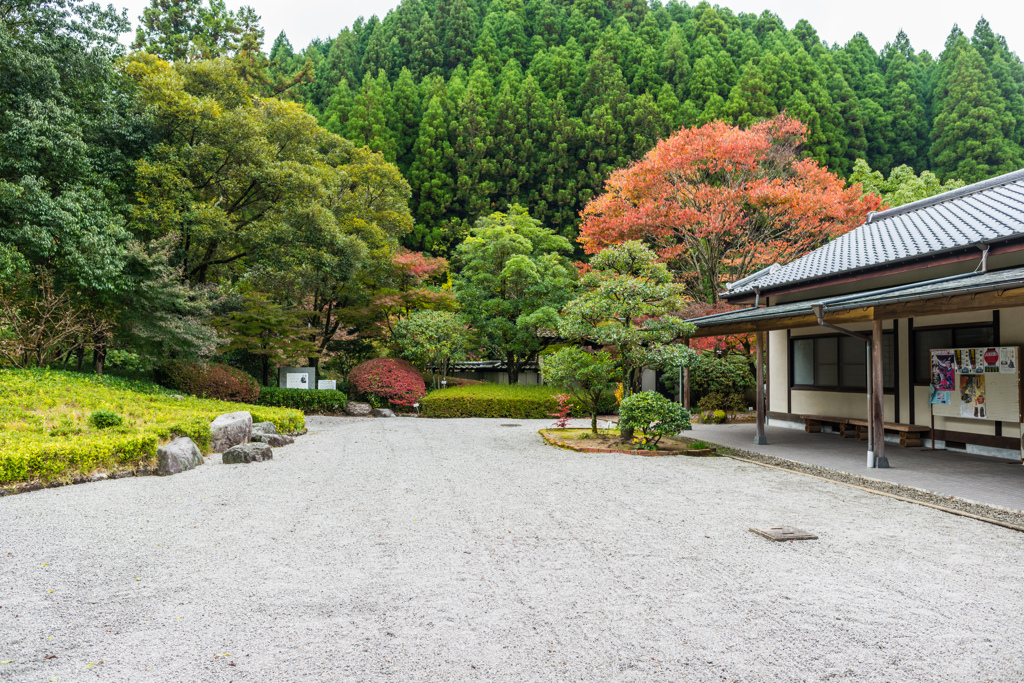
(357, 409)
(178, 456)
(247, 452)
(458, 550)
(230, 430)
(273, 440)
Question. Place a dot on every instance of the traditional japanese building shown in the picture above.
(862, 314)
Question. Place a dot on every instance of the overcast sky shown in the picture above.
(927, 22)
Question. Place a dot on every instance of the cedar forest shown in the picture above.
(443, 170)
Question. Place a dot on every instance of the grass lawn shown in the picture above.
(45, 433)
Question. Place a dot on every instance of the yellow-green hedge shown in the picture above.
(45, 433)
(516, 401)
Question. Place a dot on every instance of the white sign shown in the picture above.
(297, 380)
(324, 384)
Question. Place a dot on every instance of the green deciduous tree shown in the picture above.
(432, 340)
(513, 276)
(589, 376)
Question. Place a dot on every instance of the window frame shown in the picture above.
(839, 388)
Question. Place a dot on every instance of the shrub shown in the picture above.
(102, 419)
(516, 401)
(396, 381)
(589, 377)
(216, 381)
(44, 436)
(713, 374)
(307, 400)
(653, 416)
(713, 417)
(734, 403)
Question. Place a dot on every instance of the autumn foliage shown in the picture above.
(719, 202)
(396, 381)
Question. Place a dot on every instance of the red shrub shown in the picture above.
(461, 382)
(396, 381)
(211, 381)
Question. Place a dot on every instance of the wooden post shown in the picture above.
(877, 396)
(686, 388)
(759, 438)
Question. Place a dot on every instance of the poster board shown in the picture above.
(296, 378)
(976, 383)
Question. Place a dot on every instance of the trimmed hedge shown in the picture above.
(516, 401)
(309, 401)
(45, 433)
(215, 380)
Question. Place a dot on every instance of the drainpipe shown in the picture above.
(819, 314)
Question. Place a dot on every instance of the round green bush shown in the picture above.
(104, 419)
(215, 380)
(652, 416)
(733, 403)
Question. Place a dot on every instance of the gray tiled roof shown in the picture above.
(933, 289)
(990, 210)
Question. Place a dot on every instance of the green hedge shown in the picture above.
(321, 401)
(45, 433)
(520, 402)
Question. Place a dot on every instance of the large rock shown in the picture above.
(273, 440)
(357, 409)
(382, 412)
(177, 456)
(264, 428)
(248, 452)
(230, 429)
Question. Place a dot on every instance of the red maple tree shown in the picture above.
(719, 202)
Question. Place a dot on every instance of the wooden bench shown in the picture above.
(910, 435)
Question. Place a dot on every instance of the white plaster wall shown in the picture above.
(778, 371)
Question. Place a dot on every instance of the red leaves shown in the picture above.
(718, 202)
(396, 381)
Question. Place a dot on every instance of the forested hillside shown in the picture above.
(484, 104)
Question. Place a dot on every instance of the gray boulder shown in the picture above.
(382, 412)
(357, 409)
(248, 452)
(230, 429)
(177, 456)
(264, 428)
(272, 440)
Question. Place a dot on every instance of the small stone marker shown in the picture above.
(783, 533)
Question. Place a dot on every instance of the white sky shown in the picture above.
(927, 22)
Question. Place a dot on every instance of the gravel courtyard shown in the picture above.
(426, 550)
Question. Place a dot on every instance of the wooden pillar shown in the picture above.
(759, 438)
(686, 388)
(877, 396)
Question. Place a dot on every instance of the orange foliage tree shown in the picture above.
(718, 202)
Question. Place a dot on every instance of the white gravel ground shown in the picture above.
(426, 550)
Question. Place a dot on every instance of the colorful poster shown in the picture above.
(943, 368)
(940, 398)
(972, 396)
(1008, 359)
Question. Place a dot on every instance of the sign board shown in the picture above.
(327, 384)
(296, 378)
(976, 383)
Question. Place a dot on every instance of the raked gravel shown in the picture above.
(427, 550)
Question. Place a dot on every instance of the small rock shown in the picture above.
(230, 429)
(177, 397)
(248, 452)
(177, 456)
(273, 440)
(99, 476)
(264, 428)
(381, 412)
(357, 409)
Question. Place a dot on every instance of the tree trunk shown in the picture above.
(99, 355)
(81, 357)
(266, 371)
(513, 369)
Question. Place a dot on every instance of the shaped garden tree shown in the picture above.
(718, 202)
(629, 304)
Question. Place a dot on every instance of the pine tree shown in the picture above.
(457, 26)
(368, 116)
(426, 49)
(334, 116)
(972, 126)
(472, 146)
(432, 178)
(404, 118)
